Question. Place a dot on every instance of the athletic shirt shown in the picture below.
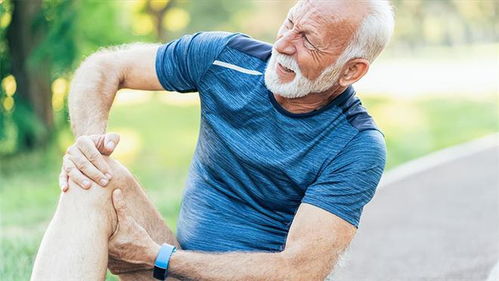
(255, 162)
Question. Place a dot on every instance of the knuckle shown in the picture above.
(68, 168)
(65, 160)
(62, 174)
(75, 176)
(79, 162)
(93, 156)
(72, 150)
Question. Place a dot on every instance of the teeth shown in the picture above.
(287, 69)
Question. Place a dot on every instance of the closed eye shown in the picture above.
(308, 42)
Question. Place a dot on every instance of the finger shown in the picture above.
(63, 181)
(110, 142)
(89, 161)
(91, 147)
(75, 174)
(119, 204)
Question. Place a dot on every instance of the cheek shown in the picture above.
(309, 66)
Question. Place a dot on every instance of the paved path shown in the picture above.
(438, 224)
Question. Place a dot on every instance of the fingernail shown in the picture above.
(108, 176)
(103, 182)
(86, 183)
(110, 145)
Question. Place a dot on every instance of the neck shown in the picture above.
(310, 102)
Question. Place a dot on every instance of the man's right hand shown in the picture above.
(84, 163)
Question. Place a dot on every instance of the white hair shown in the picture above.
(373, 33)
(370, 38)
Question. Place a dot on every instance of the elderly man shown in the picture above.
(286, 159)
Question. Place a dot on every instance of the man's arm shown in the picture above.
(93, 89)
(101, 75)
(315, 241)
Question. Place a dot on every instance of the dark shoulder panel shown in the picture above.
(250, 46)
(357, 114)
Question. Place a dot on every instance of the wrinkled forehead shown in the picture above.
(330, 16)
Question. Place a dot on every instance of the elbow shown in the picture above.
(96, 63)
(100, 69)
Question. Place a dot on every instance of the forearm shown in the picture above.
(93, 89)
(188, 265)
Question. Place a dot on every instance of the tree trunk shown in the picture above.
(158, 16)
(33, 80)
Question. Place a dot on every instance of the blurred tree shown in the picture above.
(158, 10)
(38, 38)
(40, 43)
(169, 19)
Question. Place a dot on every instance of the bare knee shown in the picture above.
(97, 200)
(121, 176)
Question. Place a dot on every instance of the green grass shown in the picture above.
(157, 145)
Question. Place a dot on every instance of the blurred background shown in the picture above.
(435, 86)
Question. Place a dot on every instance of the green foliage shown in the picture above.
(214, 15)
(445, 22)
(5, 11)
(100, 24)
(28, 127)
(68, 31)
(56, 22)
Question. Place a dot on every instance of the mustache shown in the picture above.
(286, 61)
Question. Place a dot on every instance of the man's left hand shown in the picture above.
(130, 242)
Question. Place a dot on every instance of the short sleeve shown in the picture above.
(181, 63)
(349, 181)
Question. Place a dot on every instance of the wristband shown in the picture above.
(160, 271)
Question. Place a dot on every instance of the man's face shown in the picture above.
(309, 42)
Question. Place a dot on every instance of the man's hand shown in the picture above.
(130, 242)
(83, 162)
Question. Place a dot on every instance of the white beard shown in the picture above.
(300, 86)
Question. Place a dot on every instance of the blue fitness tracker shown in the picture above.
(160, 271)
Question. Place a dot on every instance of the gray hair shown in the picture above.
(373, 33)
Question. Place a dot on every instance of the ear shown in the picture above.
(352, 71)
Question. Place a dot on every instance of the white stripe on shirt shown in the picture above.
(236, 68)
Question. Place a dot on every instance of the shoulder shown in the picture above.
(371, 139)
(250, 46)
(355, 113)
(214, 42)
(208, 40)
(366, 150)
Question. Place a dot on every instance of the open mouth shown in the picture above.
(285, 68)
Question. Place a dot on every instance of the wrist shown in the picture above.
(175, 265)
(152, 253)
(162, 261)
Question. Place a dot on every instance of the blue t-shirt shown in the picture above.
(255, 162)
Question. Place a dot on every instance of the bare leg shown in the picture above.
(75, 246)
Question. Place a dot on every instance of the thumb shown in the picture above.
(110, 142)
(119, 204)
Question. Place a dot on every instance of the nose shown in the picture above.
(285, 44)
